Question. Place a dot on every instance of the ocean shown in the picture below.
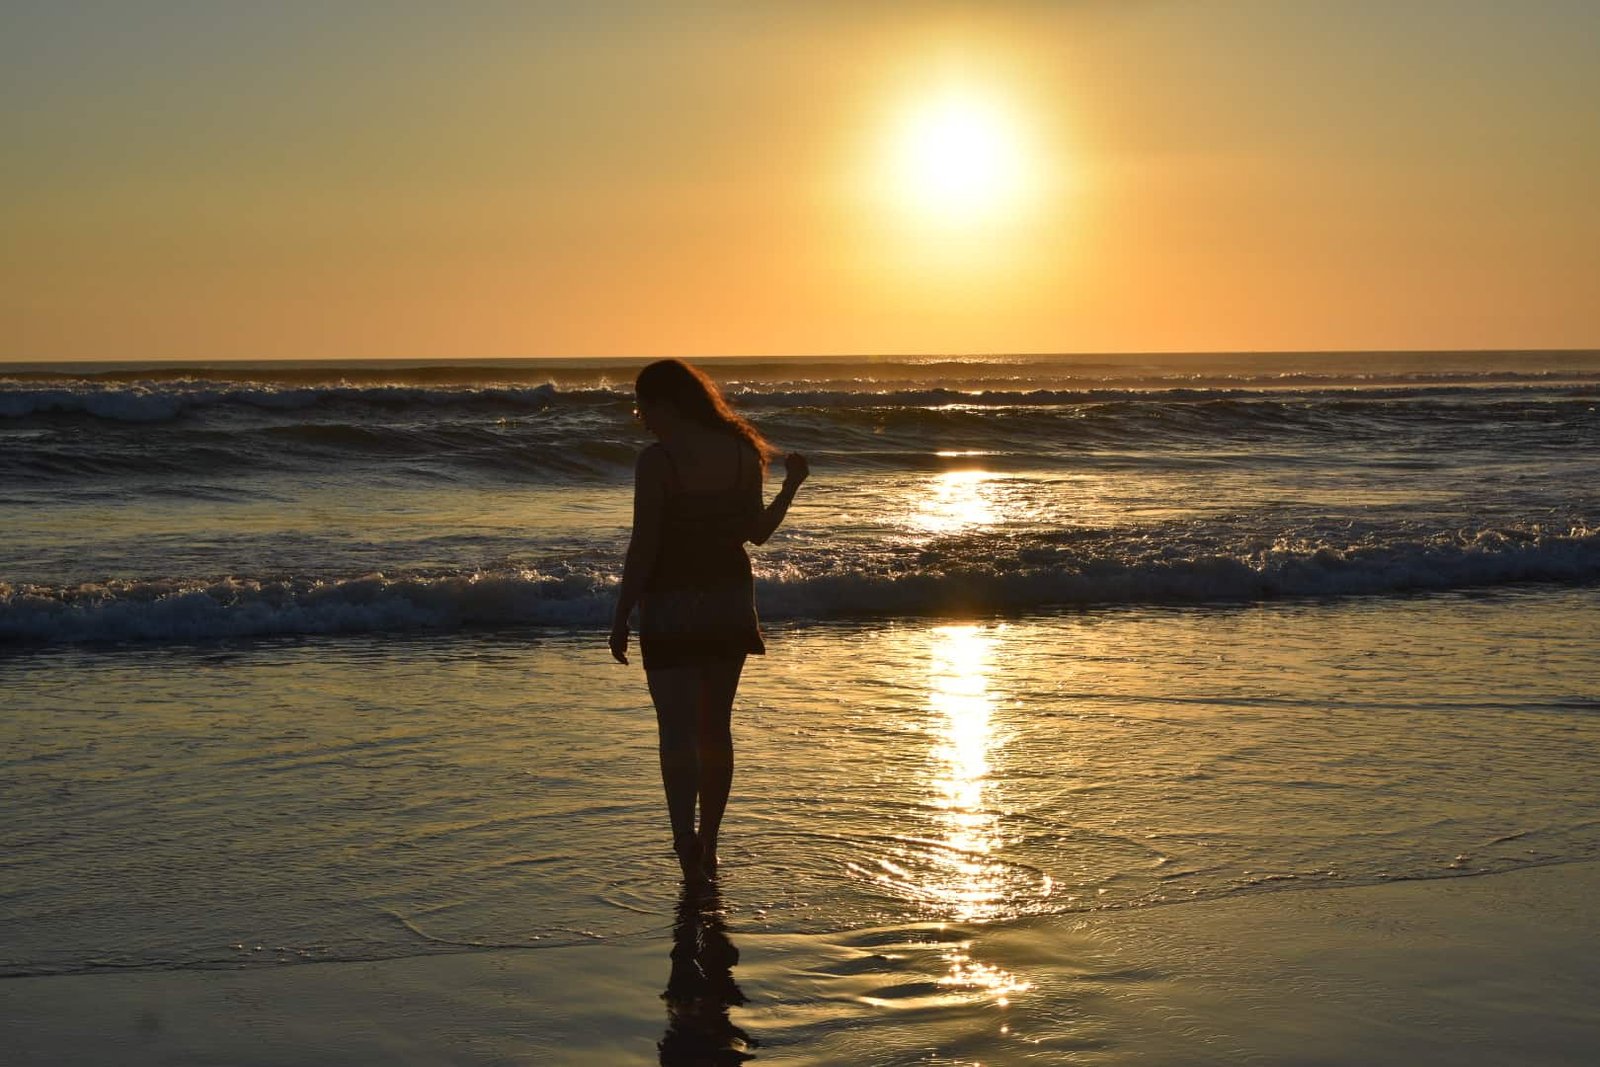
(305, 662)
(189, 503)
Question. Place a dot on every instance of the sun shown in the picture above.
(957, 157)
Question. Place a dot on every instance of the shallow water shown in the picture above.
(271, 802)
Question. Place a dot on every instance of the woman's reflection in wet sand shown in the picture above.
(701, 988)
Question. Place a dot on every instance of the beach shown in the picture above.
(1277, 834)
(1490, 970)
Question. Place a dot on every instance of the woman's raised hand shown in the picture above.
(795, 469)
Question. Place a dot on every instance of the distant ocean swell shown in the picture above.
(796, 589)
(165, 401)
(591, 435)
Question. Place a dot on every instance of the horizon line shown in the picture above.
(766, 357)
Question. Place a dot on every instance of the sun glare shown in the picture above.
(957, 187)
(956, 502)
(957, 157)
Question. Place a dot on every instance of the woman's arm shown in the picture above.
(796, 470)
(649, 491)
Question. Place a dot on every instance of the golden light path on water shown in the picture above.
(967, 879)
(958, 500)
(958, 696)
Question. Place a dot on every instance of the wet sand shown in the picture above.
(1495, 969)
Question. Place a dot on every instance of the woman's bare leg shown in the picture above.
(719, 683)
(676, 693)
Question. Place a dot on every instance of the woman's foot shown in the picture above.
(690, 855)
(708, 856)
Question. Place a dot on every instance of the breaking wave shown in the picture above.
(960, 579)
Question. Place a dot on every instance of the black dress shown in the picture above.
(699, 602)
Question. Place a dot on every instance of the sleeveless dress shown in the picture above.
(699, 602)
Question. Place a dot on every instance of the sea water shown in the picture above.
(193, 503)
(307, 662)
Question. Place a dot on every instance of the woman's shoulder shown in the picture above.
(653, 462)
(751, 468)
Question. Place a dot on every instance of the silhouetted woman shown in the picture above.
(696, 500)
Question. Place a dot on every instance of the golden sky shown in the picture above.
(205, 180)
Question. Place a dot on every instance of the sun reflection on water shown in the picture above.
(971, 975)
(958, 694)
(958, 500)
(966, 879)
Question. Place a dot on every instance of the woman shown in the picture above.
(696, 500)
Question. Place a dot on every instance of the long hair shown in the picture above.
(698, 399)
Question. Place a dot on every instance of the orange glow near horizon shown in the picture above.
(390, 180)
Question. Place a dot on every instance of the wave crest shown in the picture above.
(958, 580)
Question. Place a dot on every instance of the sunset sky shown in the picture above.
(206, 180)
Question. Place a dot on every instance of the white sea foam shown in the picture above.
(799, 589)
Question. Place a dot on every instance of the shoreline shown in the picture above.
(1492, 968)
